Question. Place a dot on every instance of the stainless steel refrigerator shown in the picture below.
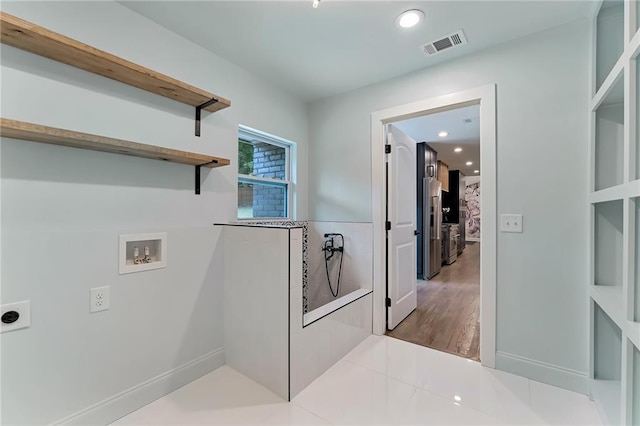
(429, 214)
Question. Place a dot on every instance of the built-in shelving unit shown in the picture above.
(52, 135)
(41, 41)
(614, 204)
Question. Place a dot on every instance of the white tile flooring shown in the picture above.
(382, 381)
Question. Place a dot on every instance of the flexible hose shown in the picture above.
(328, 254)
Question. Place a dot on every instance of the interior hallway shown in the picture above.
(382, 381)
(448, 314)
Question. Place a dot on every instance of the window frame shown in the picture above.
(253, 136)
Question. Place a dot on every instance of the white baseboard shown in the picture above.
(125, 402)
(551, 374)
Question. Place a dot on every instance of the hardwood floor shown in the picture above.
(448, 314)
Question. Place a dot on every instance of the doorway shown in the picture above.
(445, 314)
(485, 98)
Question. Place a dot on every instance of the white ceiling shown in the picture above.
(343, 45)
(461, 134)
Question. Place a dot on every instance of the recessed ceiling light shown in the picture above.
(443, 134)
(409, 18)
(316, 3)
(468, 163)
(476, 171)
(457, 150)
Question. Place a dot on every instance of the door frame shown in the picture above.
(485, 96)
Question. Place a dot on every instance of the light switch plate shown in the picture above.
(22, 309)
(511, 223)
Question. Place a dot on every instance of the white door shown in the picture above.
(401, 196)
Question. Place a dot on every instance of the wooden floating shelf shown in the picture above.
(52, 135)
(24, 35)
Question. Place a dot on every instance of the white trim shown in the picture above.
(127, 401)
(263, 180)
(486, 97)
(544, 372)
(255, 135)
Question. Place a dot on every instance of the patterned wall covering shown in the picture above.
(472, 198)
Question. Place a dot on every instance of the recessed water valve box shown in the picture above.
(142, 252)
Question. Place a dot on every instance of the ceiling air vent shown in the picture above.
(452, 40)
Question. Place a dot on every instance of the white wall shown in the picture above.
(357, 262)
(542, 101)
(256, 302)
(63, 209)
(318, 346)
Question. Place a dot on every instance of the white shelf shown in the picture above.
(614, 193)
(610, 299)
(607, 86)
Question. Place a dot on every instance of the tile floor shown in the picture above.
(382, 381)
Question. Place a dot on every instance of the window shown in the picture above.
(264, 175)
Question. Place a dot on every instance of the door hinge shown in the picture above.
(387, 149)
(388, 302)
(388, 226)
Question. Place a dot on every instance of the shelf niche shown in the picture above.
(636, 202)
(609, 142)
(609, 38)
(608, 222)
(606, 387)
(638, 111)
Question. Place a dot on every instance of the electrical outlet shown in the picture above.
(511, 223)
(15, 316)
(99, 299)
